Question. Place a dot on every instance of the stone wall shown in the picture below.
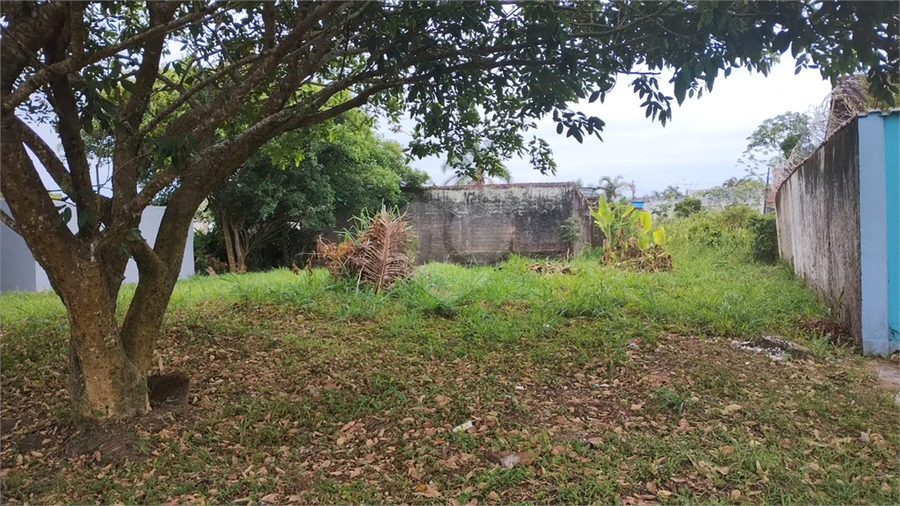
(817, 211)
(485, 224)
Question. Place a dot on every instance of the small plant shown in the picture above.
(764, 238)
(687, 207)
(570, 231)
(629, 238)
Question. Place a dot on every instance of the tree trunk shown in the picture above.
(103, 382)
(240, 253)
(229, 247)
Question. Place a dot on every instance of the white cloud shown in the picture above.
(698, 149)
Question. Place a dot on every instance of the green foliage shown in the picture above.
(629, 238)
(764, 238)
(687, 207)
(570, 231)
(294, 189)
(726, 231)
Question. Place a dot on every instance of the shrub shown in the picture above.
(687, 207)
(738, 216)
(570, 232)
(764, 238)
(629, 239)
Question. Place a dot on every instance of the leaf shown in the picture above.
(441, 400)
(723, 470)
(731, 408)
(428, 490)
(645, 220)
(594, 96)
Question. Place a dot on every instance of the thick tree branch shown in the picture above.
(133, 111)
(69, 129)
(206, 120)
(9, 222)
(47, 156)
(77, 62)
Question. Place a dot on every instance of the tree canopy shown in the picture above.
(238, 74)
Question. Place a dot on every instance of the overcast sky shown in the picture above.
(697, 150)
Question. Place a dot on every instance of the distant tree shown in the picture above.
(672, 192)
(687, 207)
(477, 166)
(280, 201)
(612, 187)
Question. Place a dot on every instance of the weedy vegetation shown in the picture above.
(629, 238)
(497, 384)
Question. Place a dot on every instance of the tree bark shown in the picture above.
(229, 247)
(103, 382)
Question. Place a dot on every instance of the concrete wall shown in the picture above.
(488, 223)
(19, 270)
(817, 212)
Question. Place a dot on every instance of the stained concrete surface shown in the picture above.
(888, 375)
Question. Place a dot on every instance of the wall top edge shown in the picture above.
(505, 185)
(889, 112)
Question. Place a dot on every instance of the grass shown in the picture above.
(620, 386)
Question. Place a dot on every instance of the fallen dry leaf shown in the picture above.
(734, 495)
(727, 449)
(510, 459)
(731, 408)
(270, 498)
(429, 490)
(441, 400)
(723, 470)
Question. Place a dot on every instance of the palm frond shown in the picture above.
(381, 258)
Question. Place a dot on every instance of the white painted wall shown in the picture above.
(20, 272)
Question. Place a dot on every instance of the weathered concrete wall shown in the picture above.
(817, 211)
(488, 223)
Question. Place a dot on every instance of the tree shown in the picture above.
(289, 192)
(776, 139)
(612, 187)
(241, 74)
(477, 167)
(687, 207)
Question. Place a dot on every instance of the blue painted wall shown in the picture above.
(879, 235)
(892, 187)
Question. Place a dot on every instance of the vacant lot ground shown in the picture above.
(595, 386)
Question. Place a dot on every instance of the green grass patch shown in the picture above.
(619, 386)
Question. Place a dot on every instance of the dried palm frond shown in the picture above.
(381, 255)
(334, 256)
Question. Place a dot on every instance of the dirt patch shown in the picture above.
(106, 446)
